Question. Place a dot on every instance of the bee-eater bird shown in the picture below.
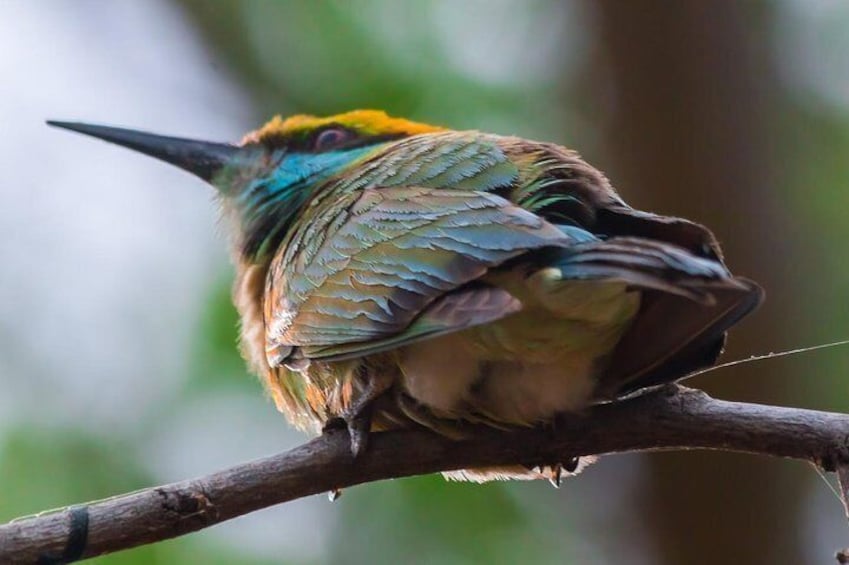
(391, 273)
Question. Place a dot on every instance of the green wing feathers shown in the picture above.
(380, 258)
(455, 311)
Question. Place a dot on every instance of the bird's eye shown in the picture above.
(331, 137)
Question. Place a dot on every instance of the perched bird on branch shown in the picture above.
(392, 274)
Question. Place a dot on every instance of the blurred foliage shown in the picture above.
(817, 186)
(331, 56)
(71, 468)
(64, 467)
(215, 353)
(425, 517)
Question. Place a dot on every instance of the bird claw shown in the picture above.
(359, 415)
(359, 426)
(357, 418)
(555, 474)
(552, 472)
(333, 495)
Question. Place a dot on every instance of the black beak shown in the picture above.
(201, 158)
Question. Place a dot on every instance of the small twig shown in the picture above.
(676, 419)
(843, 483)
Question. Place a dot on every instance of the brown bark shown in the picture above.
(688, 137)
(671, 418)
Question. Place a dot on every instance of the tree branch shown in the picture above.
(671, 418)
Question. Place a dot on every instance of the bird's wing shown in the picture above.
(381, 267)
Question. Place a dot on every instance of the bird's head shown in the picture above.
(264, 180)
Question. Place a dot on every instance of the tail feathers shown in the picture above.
(624, 220)
(643, 264)
(673, 337)
(688, 303)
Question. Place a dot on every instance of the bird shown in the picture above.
(395, 274)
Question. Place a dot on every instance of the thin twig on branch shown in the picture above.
(672, 418)
(842, 472)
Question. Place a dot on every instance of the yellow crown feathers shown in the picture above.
(367, 122)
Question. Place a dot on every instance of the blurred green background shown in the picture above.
(118, 365)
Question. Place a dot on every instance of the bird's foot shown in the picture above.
(554, 472)
(358, 416)
(359, 426)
